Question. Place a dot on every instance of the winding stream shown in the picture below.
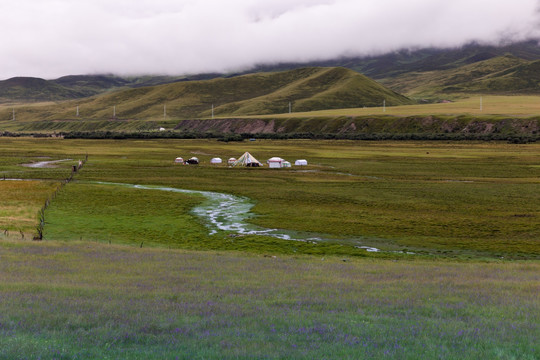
(44, 164)
(228, 212)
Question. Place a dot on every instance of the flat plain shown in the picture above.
(131, 273)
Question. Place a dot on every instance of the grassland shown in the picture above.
(83, 300)
(458, 199)
(120, 273)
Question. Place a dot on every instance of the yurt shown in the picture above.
(231, 161)
(193, 161)
(300, 162)
(275, 162)
(247, 160)
(286, 164)
(179, 160)
(215, 160)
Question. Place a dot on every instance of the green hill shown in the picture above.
(255, 94)
(442, 73)
(23, 89)
(31, 90)
(480, 77)
(523, 79)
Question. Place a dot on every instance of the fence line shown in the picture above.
(41, 212)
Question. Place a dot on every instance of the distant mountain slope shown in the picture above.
(467, 78)
(500, 75)
(35, 89)
(524, 78)
(437, 73)
(91, 84)
(431, 72)
(312, 89)
(29, 89)
(393, 64)
(262, 93)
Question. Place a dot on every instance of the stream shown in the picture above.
(228, 212)
(44, 164)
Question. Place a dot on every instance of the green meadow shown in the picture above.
(124, 272)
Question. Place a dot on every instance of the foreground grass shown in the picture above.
(86, 300)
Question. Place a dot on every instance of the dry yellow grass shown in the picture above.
(521, 106)
(20, 202)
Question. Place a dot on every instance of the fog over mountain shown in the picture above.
(52, 38)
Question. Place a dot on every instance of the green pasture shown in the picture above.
(446, 199)
(82, 300)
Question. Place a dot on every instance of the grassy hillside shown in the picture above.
(467, 78)
(23, 89)
(500, 75)
(31, 90)
(397, 63)
(263, 93)
(435, 73)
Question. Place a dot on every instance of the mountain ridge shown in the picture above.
(431, 73)
(305, 89)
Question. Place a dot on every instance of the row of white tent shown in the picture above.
(246, 160)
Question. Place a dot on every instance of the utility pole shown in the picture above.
(77, 110)
(289, 107)
(164, 111)
(212, 111)
(13, 114)
(114, 111)
(384, 105)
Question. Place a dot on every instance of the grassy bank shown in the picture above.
(87, 300)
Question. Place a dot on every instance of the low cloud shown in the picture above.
(52, 38)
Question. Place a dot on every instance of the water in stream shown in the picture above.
(228, 212)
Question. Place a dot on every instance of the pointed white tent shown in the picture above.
(247, 160)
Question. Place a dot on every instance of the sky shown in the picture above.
(53, 38)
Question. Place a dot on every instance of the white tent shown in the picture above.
(179, 160)
(231, 161)
(215, 161)
(247, 160)
(275, 162)
(286, 164)
(300, 162)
